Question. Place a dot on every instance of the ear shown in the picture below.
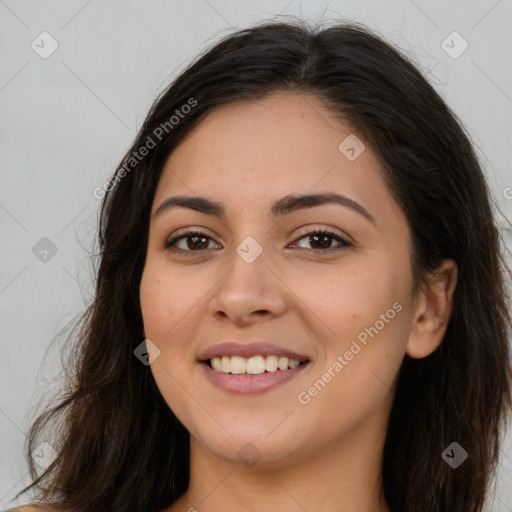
(433, 310)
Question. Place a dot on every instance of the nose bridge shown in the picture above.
(249, 285)
(249, 264)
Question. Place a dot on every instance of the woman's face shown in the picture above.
(258, 273)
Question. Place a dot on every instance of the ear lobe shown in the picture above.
(433, 311)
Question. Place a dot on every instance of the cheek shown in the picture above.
(357, 380)
(152, 302)
(162, 308)
(172, 305)
(165, 300)
(364, 314)
(351, 298)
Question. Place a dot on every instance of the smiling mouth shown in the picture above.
(256, 365)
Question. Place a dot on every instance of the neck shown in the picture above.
(343, 477)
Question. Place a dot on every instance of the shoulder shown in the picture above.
(34, 507)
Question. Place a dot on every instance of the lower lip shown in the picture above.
(251, 384)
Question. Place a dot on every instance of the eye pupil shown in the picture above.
(326, 243)
(193, 245)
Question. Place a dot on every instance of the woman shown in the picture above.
(301, 301)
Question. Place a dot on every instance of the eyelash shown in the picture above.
(344, 243)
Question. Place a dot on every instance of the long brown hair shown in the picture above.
(119, 445)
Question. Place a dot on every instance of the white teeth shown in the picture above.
(256, 365)
(282, 364)
(216, 364)
(271, 364)
(253, 365)
(238, 365)
(226, 364)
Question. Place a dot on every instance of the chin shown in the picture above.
(255, 444)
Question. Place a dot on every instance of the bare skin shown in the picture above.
(324, 451)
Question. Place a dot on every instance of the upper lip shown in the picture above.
(249, 349)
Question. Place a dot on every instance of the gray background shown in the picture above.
(67, 119)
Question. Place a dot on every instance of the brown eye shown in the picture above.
(197, 241)
(322, 239)
(194, 241)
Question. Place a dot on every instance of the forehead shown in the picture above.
(258, 150)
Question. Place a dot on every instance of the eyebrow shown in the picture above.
(281, 207)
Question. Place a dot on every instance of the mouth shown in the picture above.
(251, 367)
(255, 365)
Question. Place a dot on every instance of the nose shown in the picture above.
(250, 291)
